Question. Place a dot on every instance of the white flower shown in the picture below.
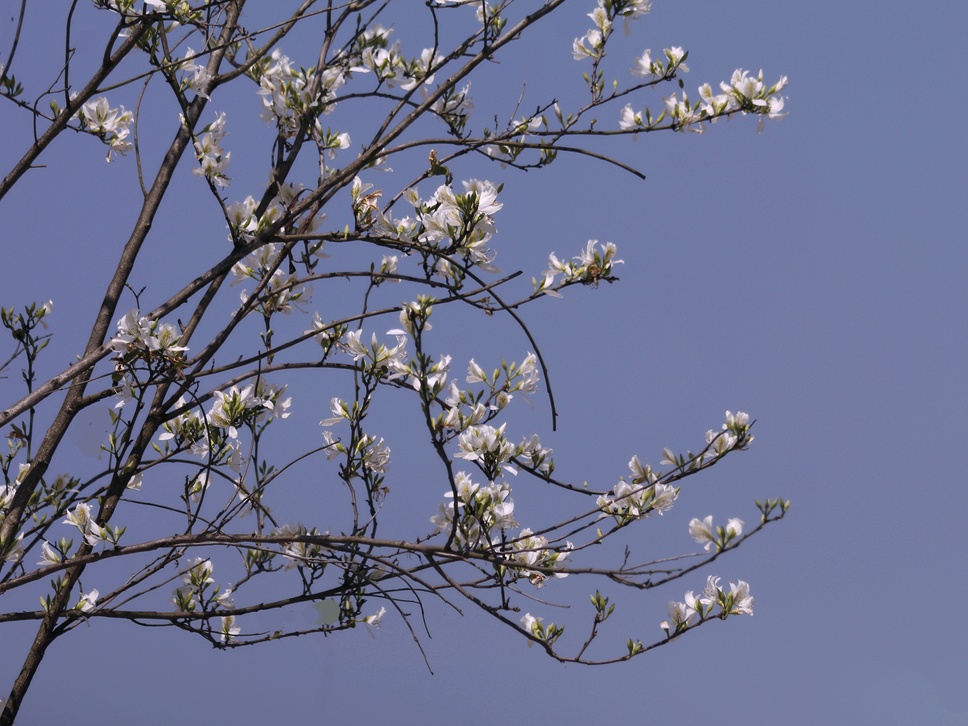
(375, 620)
(636, 8)
(80, 517)
(739, 594)
(229, 628)
(333, 447)
(681, 616)
(196, 76)
(645, 66)
(528, 370)
(702, 531)
(713, 592)
(454, 105)
(199, 573)
(88, 601)
(49, 554)
(340, 411)
(718, 537)
(112, 125)
(734, 527)
(487, 446)
(14, 550)
(529, 551)
(151, 338)
(588, 46)
(629, 119)
(376, 455)
(486, 194)
(380, 359)
(531, 625)
(676, 55)
(683, 114)
(663, 497)
(231, 408)
(476, 374)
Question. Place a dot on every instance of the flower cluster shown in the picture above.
(140, 339)
(281, 291)
(112, 125)
(378, 359)
(450, 223)
(695, 609)
(734, 435)
(529, 551)
(592, 44)
(460, 224)
(212, 159)
(147, 339)
(290, 95)
(368, 452)
(743, 94)
(184, 429)
(477, 512)
(488, 447)
(198, 590)
(244, 406)
(453, 106)
(592, 265)
(213, 437)
(463, 410)
(244, 225)
(639, 497)
(534, 456)
(523, 377)
(389, 65)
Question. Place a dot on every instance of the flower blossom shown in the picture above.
(528, 551)
(88, 601)
(212, 159)
(460, 224)
(702, 530)
(288, 95)
(195, 76)
(389, 362)
(593, 264)
(713, 600)
(477, 510)
(228, 628)
(147, 337)
(81, 518)
(112, 125)
(488, 447)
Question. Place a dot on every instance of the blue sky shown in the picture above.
(811, 275)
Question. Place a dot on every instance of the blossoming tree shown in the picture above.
(192, 383)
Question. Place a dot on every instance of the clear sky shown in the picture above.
(812, 275)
